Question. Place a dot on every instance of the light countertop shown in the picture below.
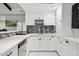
(74, 39)
(9, 42)
(6, 32)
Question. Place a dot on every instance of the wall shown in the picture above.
(59, 20)
(2, 22)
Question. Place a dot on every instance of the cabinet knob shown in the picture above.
(60, 42)
(49, 39)
(52, 36)
(40, 39)
(58, 37)
(67, 41)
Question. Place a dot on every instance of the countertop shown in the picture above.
(9, 42)
(6, 32)
(72, 38)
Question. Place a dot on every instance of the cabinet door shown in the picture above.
(48, 44)
(33, 44)
(59, 46)
(12, 52)
(44, 44)
(15, 51)
(69, 48)
(53, 43)
(77, 52)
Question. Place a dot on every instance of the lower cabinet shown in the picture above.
(59, 46)
(33, 44)
(12, 52)
(41, 44)
(47, 44)
(67, 48)
(77, 50)
(64, 47)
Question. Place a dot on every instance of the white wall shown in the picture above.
(59, 20)
(21, 26)
(2, 22)
(18, 17)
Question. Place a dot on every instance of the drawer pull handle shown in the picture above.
(52, 36)
(60, 42)
(49, 39)
(67, 41)
(39, 39)
(9, 53)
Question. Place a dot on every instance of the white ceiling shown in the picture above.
(14, 6)
(19, 8)
(40, 8)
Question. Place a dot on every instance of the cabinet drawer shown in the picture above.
(12, 52)
(68, 48)
(33, 45)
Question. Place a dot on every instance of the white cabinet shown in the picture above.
(53, 43)
(12, 52)
(68, 48)
(49, 19)
(59, 46)
(44, 44)
(77, 51)
(63, 46)
(33, 44)
(48, 44)
(41, 43)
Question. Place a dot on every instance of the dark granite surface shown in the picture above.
(41, 29)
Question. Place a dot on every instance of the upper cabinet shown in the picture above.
(55, 16)
(49, 19)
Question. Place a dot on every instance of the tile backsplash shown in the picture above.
(41, 29)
